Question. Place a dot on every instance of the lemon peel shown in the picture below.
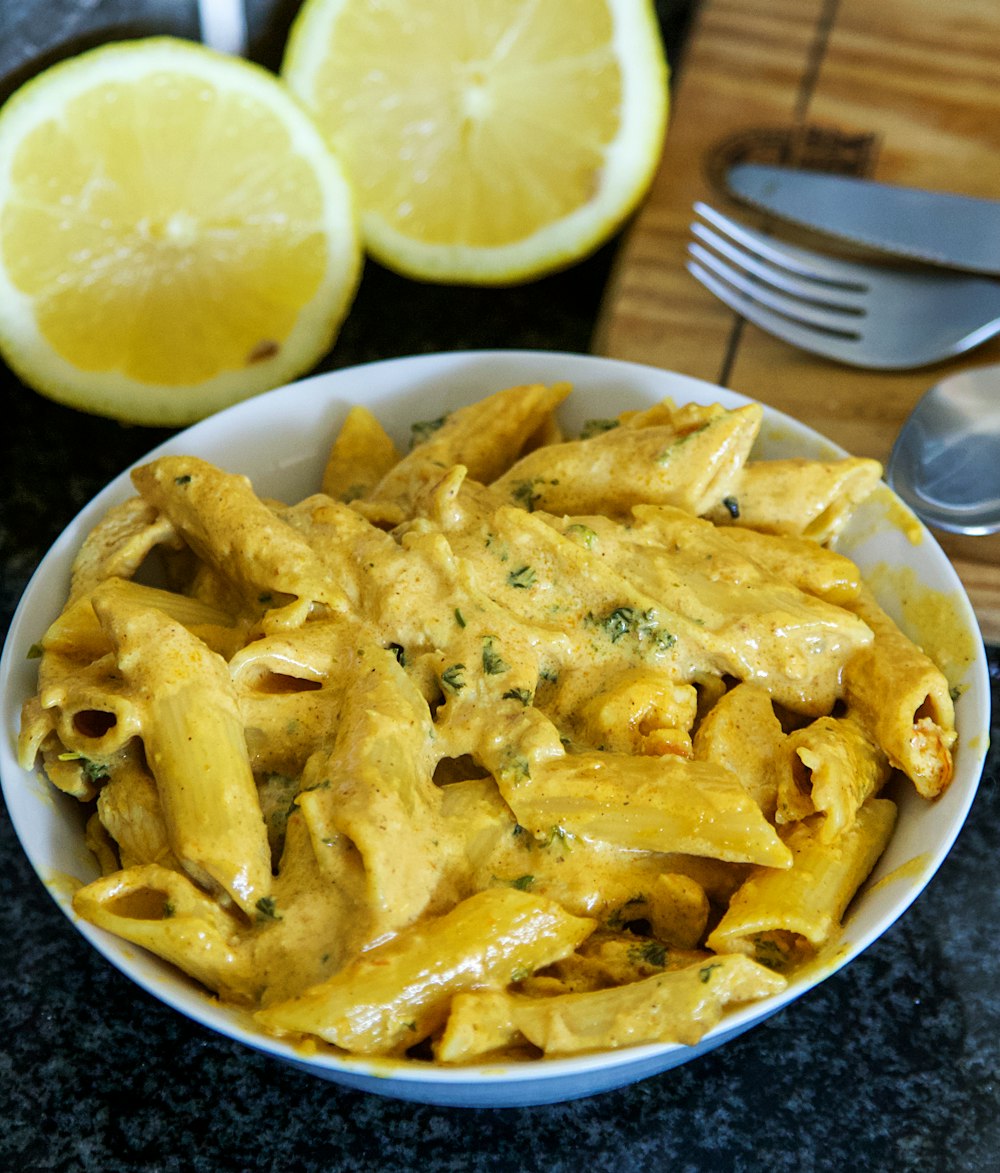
(175, 235)
(489, 141)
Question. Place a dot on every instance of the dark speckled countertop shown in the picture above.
(892, 1064)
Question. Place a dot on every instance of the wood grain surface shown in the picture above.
(903, 91)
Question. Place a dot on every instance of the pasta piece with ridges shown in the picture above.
(397, 994)
(778, 917)
(835, 767)
(679, 1006)
(225, 523)
(486, 437)
(808, 498)
(359, 457)
(191, 730)
(896, 692)
(164, 912)
(614, 470)
(664, 804)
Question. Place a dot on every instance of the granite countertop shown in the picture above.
(891, 1064)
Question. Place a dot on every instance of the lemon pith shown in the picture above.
(174, 234)
(488, 140)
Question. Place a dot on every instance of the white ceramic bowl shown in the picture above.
(280, 440)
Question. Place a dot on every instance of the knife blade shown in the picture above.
(952, 231)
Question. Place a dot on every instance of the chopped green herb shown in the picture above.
(95, 772)
(674, 446)
(524, 494)
(267, 909)
(451, 677)
(583, 535)
(459, 618)
(522, 883)
(733, 505)
(706, 970)
(353, 493)
(767, 951)
(625, 621)
(34, 652)
(596, 426)
(493, 662)
(424, 429)
(617, 624)
(183, 480)
(520, 973)
(556, 835)
(515, 767)
(518, 694)
(649, 953)
(265, 599)
(168, 909)
(522, 578)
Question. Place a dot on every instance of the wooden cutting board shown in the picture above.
(904, 91)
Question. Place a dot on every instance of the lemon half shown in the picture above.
(175, 235)
(488, 141)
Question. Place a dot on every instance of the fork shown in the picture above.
(863, 315)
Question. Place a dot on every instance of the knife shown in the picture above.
(953, 231)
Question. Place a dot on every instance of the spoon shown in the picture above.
(945, 463)
(223, 26)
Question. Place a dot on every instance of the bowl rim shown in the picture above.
(331, 392)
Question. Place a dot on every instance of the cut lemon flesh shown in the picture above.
(175, 234)
(488, 141)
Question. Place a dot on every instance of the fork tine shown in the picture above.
(848, 300)
(803, 312)
(829, 345)
(878, 317)
(796, 260)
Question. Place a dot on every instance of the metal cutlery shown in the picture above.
(223, 25)
(935, 227)
(863, 315)
(945, 463)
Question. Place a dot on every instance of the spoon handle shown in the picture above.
(224, 26)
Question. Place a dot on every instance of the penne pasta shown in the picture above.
(835, 767)
(902, 698)
(164, 912)
(485, 437)
(693, 467)
(512, 745)
(377, 775)
(359, 457)
(679, 1006)
(237, 534)
(742, 733)
(806, 498)
(779, 917)
(641, 803)
(193, 739)
(397, 994)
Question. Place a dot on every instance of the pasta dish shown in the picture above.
(515, 744)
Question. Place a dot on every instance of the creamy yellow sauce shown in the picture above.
(933, 619)
(912, 870)
(430, 768)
